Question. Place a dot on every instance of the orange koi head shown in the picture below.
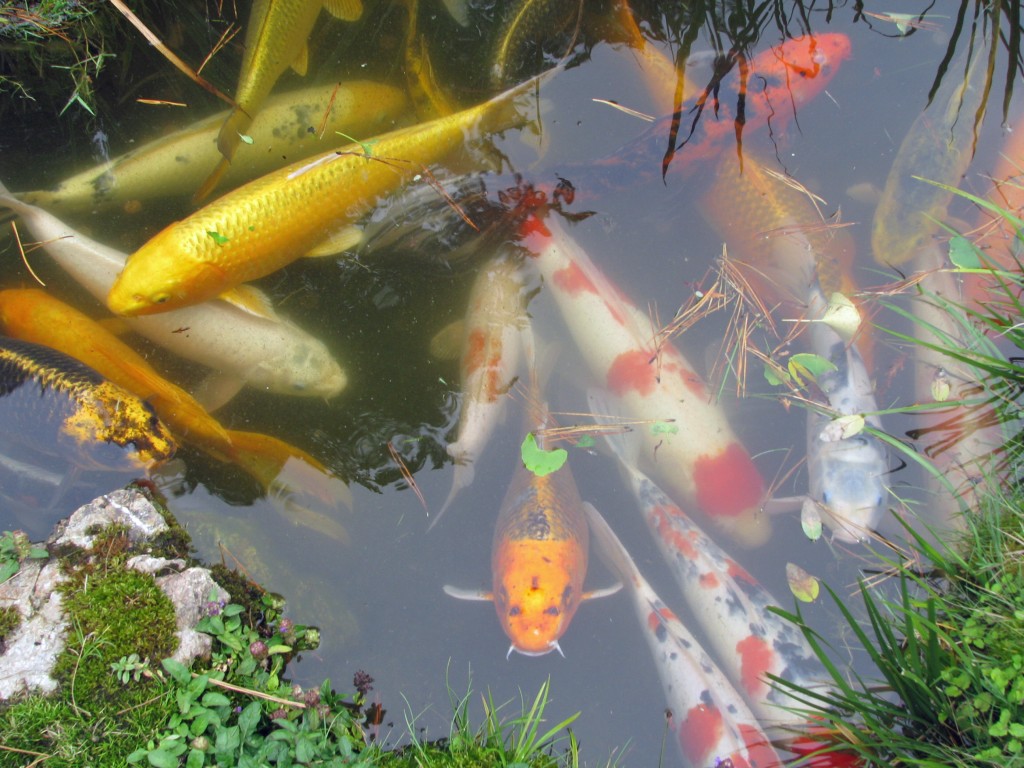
(804, 63)
(537, 589)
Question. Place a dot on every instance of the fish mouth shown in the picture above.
(552, 646)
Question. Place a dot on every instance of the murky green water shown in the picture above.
(378, 598)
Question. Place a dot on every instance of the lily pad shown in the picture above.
(805, 366)
(810, 519)
(803, 585)
(539, 461)
(963, 254)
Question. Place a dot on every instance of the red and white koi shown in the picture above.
(491, 353)
(649, 379)
(711, 721)
(538, 560)
(845, 474)
(730, 604)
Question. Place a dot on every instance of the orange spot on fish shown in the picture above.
(574, 280)
(759, 749)
(699, 733)
(709, 580)
(532, 225)
(632, 371)
(669, 533)
(755, 659)
(476, 350)
(727, 484)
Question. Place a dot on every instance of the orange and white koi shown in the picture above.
(710, 720)
(491, 352)
(286, 473)
(307, 208)
(538, 561)
(252, 346)
(694, 452)
(772, 87)
(731, 606)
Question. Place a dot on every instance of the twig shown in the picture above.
(24, 259)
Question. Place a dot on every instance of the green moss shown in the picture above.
(10, 620)
(113, 613)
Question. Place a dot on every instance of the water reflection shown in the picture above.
(379, 597)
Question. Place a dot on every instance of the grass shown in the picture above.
(945, 630)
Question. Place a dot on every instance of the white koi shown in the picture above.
(845, 473)
(750, 641)
(690, 446)
(261, 350)
(709, 718)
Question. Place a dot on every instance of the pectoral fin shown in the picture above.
(301, 63)
(251, 300)
(604, 592)
(447, 343)
(216, 390)
(468, 594)
(339, 242)
(346, 10)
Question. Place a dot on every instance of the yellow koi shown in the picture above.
(35, 316)
(274, 220)
(286, 130)
(275, 39)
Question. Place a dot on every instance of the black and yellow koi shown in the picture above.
(54, 404)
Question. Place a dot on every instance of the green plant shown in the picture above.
(15, 548)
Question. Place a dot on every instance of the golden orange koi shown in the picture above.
(35, 316)
(274, 220)
(538, 561)
(275, 39)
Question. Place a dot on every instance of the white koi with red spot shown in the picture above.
(730, 604)
(704, 462)
(711, 721)
(491, 352)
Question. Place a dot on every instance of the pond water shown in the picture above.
(378, 595)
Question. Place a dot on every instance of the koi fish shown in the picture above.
(937, 147)
(252, 346)
(491, 351)
(287, 129)
(304, 209)
(772, 87)
(774, 234)
(731, 606)
(538, 558)
(690, 447)
(845, 473)
(966, 441)
(35, 316)
(712, 723)
(54, 404)
(275, 39)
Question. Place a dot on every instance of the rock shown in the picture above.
(126, 507)
(33, 647)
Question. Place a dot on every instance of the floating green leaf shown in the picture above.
(218, 238)
(664, 428)
(810, 519)
(804, 367)
(802, 584)
(772, 374)
(246, 139)
(963, 254)
(941, 387)
(586, 441)
(842, 428)
(366, 146)
(539, 461)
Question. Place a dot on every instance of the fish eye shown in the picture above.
(160, 298)
(515, 610)
(551, 610)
